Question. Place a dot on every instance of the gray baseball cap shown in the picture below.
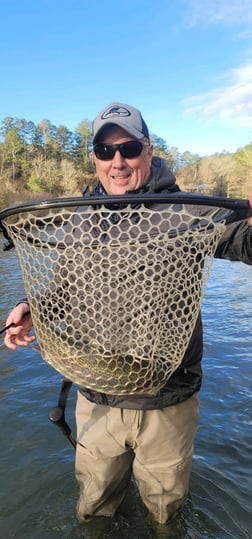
(122, 115)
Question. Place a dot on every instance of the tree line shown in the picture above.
(38, 161)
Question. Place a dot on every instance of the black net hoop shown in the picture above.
(115, 283)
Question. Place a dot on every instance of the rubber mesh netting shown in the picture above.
(115, 293)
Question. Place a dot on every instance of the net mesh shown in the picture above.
(115, 293)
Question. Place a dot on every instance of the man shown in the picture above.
(151, 435)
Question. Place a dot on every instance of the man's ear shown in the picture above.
(150, 151)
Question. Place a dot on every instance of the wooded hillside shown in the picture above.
(38, 161)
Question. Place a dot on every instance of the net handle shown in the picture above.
(241, 207)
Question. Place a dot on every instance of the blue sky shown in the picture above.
(186, 64)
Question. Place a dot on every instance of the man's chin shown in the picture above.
(119, 189)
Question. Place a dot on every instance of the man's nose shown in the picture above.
(118, 159)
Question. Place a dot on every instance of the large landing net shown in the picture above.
(115, 292)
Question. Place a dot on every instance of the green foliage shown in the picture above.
(170, 155)
(34, 184)
(44, 158)
(244, 156)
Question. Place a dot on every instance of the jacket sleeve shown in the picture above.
(236, 243)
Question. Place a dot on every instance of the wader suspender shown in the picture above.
(57, 413)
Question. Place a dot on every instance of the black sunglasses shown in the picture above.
(128, 150)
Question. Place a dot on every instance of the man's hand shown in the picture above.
(19, 333)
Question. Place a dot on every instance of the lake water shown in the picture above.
(38, 489)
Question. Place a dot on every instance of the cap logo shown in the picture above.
(115, 111)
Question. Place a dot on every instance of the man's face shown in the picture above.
(120, 174)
